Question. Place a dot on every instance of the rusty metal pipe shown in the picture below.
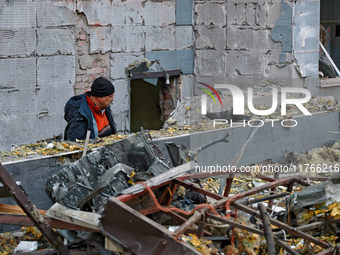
(267, 230)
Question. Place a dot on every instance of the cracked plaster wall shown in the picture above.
(53, 49)
(233, 43)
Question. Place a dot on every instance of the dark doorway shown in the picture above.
(145, 108)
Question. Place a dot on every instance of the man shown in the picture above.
(90, 111)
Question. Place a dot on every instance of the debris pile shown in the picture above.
(52, 146)
(29, 235)
(123, 198)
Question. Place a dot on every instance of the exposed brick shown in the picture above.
(98, 70)
(78, 78)
(91, 71)
(168, 96)
(81, 43)
(103, 70)
(84, 78)
(82, 37)
(95, 64)
(92, 77)
(98, 63)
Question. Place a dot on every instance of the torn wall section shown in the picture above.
(111, 35)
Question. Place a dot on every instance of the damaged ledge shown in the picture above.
(156, 74)
(329, 82)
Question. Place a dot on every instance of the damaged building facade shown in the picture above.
(51, 50)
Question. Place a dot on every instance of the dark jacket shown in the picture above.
(79, 119)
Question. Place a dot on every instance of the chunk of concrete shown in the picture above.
(26, 246)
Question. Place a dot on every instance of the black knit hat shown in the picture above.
(101, 87)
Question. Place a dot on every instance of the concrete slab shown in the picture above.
(159, 13)
(248, 39)
(211, 14)
(17, 14)
(128, 39)
(210, 38)
(100, 39)
(55, 13)
(96, 12)
(121, 60)
(160, 38)
(53, 41)
(210, 62)
(184, 37)
(129, 13)
(13, 44)
(244, 62)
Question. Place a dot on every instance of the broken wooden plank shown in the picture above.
(81, 218)
(161, 178)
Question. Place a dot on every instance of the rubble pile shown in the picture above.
(53, 146)
(123, 198)
(9, 241)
